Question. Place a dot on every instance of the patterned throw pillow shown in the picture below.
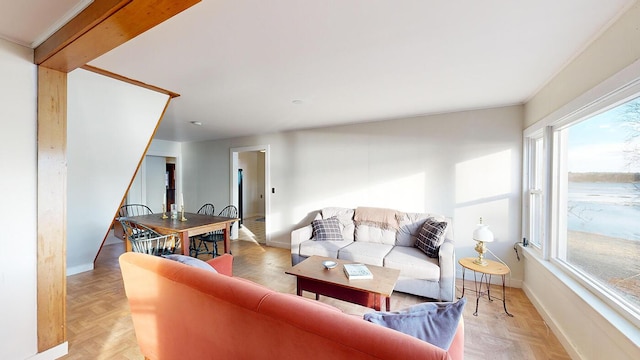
(327, 229)
(431, 236)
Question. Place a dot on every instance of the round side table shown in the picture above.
(492, 268)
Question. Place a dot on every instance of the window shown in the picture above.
(535, 187)
(597, 199)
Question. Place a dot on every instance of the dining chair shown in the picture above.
(125, 211)
(134, 210)
(148, 241)
(195, 242)
(215, 237)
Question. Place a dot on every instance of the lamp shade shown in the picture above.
(482, 233)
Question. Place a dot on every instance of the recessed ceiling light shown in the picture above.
(298, 102)
(198, 123)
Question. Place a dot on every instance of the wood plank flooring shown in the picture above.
(99, 325)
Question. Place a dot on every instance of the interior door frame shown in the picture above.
(233, 181)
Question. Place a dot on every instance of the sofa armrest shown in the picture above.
(223, 264)
(447, 261)
(298, 236)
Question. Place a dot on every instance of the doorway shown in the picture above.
(250, 189)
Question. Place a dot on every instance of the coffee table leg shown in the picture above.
(298, 288)
(388, 300)
(376, 302)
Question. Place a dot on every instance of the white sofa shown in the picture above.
(389, 246)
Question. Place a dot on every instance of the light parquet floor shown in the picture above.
(99, 325)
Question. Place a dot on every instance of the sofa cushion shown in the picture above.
(374, 234)
(322, 248)
(413, 263)
(191, 261)
(345, 216)
(431, 236)
(363, 252)
(409, 225)
(327, 229)
(435, 323)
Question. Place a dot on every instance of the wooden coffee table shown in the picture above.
(313, 277)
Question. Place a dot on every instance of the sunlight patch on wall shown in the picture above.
(484, 177)
(494, 213)
(406, 193)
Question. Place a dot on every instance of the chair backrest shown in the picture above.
(146, 240)
(134, 210)
(229, 211)
(207, 209)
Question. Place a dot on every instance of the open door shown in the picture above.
(250, 190)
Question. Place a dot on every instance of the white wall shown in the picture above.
(568, 309)
(205, 172)
(18, 217)
(103, 113)
(148, 186)
(156, 167)
(169, 149)
(463, 165)
(587, 327)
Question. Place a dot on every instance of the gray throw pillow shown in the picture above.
(191, 261)
(431, 236)
(327, 229)
(435, 323)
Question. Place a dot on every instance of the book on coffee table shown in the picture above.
(357, 271)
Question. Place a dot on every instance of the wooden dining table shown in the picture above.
(195, 224)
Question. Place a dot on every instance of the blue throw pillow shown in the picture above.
(191, 261)
(435, 323)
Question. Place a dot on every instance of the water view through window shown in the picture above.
(603, 200)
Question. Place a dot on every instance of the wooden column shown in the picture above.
(52, 207)
(101, 27)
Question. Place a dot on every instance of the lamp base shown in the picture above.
(480, 249)
(480, 262)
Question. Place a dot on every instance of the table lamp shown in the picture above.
(481, 234)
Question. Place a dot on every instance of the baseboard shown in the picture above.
(79, 269)
(279, 244)
(55, 352)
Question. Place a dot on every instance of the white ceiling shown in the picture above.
(242, 66)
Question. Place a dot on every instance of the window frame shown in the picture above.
(551, 244)
(534, 184)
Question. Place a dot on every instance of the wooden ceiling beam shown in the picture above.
(101, 27)
(94, 14)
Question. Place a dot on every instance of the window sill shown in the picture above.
(626, 326)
